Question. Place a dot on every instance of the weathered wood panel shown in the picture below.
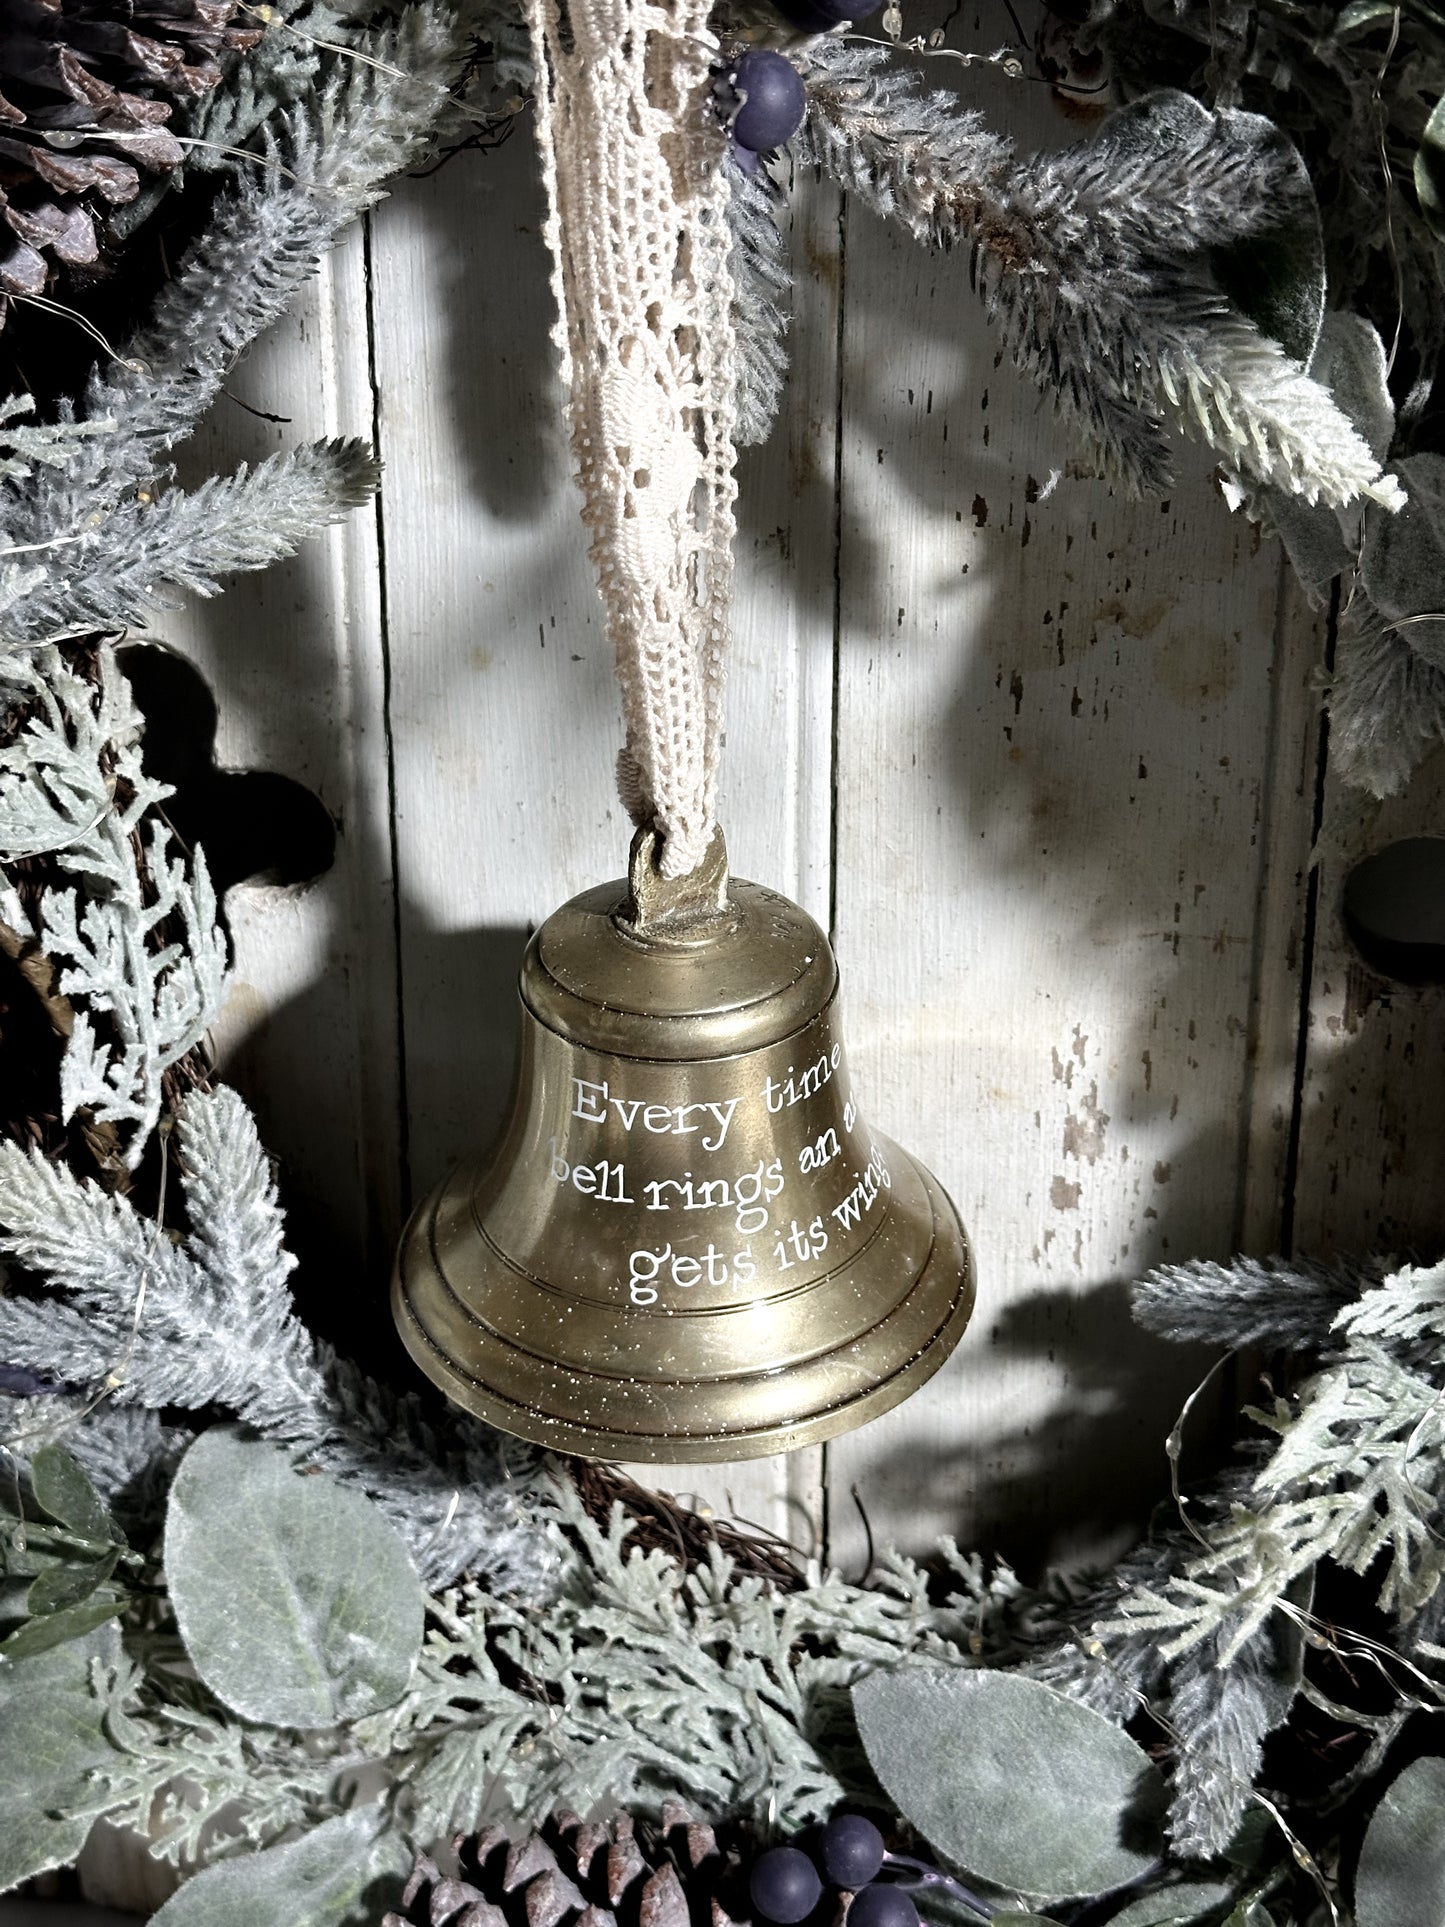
(294, 658)
(1065, 720)
(1371, 1161)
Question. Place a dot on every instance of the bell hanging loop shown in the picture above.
(687, 1245)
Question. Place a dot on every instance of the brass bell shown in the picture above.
(687, 1245)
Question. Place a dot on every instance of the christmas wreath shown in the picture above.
(335, 1655)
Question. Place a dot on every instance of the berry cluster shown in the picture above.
(787, 1884)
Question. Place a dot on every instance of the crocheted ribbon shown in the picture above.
(637, 225)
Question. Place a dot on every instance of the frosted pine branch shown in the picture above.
(145, 549)
(1289, 1303)
(1095, 263)
(26, 445)
(1220, 1714)
(328, 160)
(211, 1324)
(762, 284)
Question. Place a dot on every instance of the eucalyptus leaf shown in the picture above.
(1177, 1906)
(69, 1583)
(53, 1738)
(1401, 1876)
(346, 1871)
(1402, 564)
(58, 1628)
(1310, 532)
(1015, 1782)
(1430, 171)
(65, 1494)
(296, 1598)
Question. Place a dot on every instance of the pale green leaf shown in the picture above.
(1430, 171)
(296, 1598)
(1015, 1782)
(69, 1582)
(1185, 1902)
(57, 1628)
(65, 1494)
(1401, 1878)
(346, 1871)
(51, 1721)
(1402, 565)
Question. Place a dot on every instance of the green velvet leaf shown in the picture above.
(1430, 171)
(296, 1598)
(65, 1494)
(344, 1873)
(57, 1628)
(1015, 1782)
(51, 1721)
(1402, 564)
(69, 1583)
(1186, 1901)
(1401, 1877)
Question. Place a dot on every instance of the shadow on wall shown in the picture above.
(1040, 1488)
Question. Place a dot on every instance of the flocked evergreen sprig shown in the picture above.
(1100, 264)
(94, 535)
(136, 1318)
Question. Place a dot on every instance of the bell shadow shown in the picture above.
(1036, 1490)
(459, 1054)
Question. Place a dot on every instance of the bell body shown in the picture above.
(688, 1245)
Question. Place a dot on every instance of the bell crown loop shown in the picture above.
(679, 969)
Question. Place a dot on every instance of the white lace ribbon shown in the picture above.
(637, 225)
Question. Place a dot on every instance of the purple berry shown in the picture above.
(785, 1886)
(882, 1907)
(852, 1851)
(773, 101)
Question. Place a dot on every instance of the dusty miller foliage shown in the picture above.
(139, 951)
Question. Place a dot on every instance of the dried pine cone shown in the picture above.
(624, 1874)
(86, 89)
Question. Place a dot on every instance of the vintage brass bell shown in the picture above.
(687, 1244)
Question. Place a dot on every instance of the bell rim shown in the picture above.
(949, 1253)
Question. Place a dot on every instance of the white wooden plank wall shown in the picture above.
(1048, 758)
